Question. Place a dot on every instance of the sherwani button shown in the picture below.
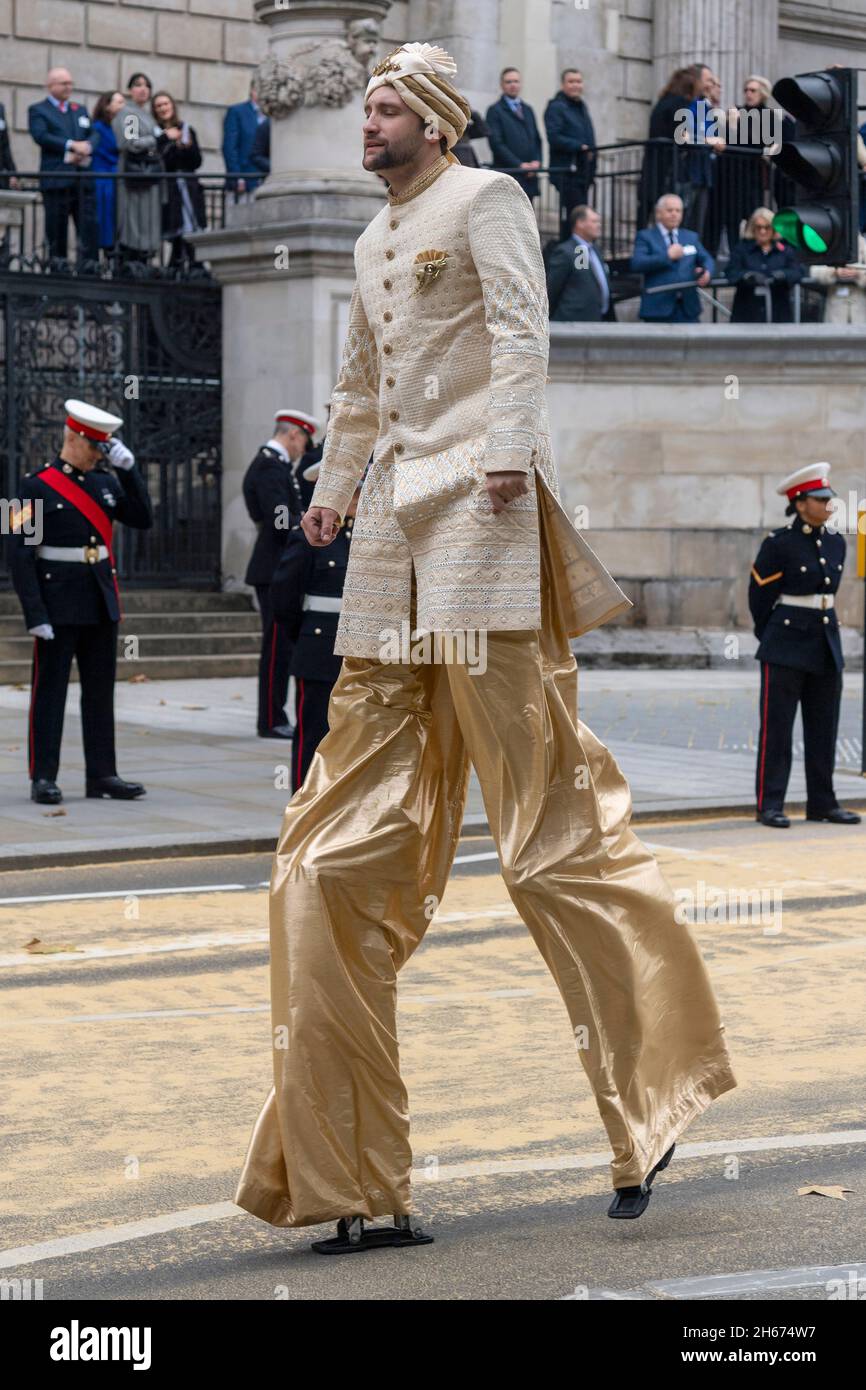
(387, 284)
(387, 349)
(387, 316)
(398, 448)
(394, 225)
(393, 415)
(389, 381)
(390, 253)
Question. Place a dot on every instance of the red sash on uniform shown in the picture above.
(99, 520)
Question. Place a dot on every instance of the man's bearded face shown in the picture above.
(394, 134)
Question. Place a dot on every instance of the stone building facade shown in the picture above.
(204, 51)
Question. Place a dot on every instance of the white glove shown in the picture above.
(43, 630)
(119, 456)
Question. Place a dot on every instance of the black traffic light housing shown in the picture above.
(822, 161)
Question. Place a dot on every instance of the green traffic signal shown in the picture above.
(799, 230)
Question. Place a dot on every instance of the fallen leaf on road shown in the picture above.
(194, 706)
(237, 697)
(39, 948)
(824, 1192)
(163, 702)
(59, 812)
(138, 680)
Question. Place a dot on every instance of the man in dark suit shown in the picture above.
(578, 281)
(307, 596)
(63, 569)
(7, 163)
(513, 134)
(275, 503)
(62, 130)
(791, 597)
(240, 126)
(669, 254)
(571, 136)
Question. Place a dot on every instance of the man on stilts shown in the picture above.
(459, 531)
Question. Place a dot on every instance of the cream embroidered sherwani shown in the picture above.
(446, 384)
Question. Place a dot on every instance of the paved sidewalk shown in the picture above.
(684, 739)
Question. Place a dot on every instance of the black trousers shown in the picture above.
(94, 646)
(273, 665)
(311, 724)
(819, 696)
(573, 191)
(79, 204)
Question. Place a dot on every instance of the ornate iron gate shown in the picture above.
(148, 352)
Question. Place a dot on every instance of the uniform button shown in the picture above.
(59, 504)
(817, 542)
(826, 579)
(47, 575)
(387, 284)
(398, 448)
(389, 381)
(317, 631)
(393, 415)
(821, 560)
(838, 567)
(92, 540)
(387, 349)
(787, 622)
(826, 619)
(331, 563)
(394, 225)
(802, 569)
(387, 316)
(390, 254)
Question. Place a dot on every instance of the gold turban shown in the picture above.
(419, 73)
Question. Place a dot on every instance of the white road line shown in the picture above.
(210, 1010)
(446, 1172)
(207, 940)
(759, 1281)
(123, 893)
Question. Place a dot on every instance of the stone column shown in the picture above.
(285, 259)
(735, 37)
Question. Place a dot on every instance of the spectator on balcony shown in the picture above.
(240, 124)
(571, 136)
(62, 130)
(664, 159)
(670, 255)
(745, 173)
(705, 145)
(846, 288)
(260, 156)
(7, 163)
(760, 266)
(476, 130)
(140, 198)
(578, 281)
(105, 161)
(513, 134)
(183, 211)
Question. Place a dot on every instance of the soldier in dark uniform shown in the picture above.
(307, 598)
(67, 584)
(275, 502)
(791, 597)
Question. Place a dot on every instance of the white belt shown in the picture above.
(322, 603)
(808, 600)
(85, 554)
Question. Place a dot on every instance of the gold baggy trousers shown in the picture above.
(367, 844)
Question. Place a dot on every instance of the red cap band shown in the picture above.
(87, 430)
(293, 420)
(809, 486)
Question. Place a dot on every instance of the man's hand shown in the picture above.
(502, 488)
(242, 185)
(320, 525)
(44, 630)
(119, 456)
(845, 272)
(675, 252)
(704, 278)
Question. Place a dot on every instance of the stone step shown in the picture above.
(154, 644)
(142, 624)
(158, 601)
(155, 668)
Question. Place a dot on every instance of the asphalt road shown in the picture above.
(136, 1056)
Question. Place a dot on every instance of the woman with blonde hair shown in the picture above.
(760, 262)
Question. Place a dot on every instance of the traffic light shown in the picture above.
(822, 161)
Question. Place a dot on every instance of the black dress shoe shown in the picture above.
(46, 792)
(630, 1202)
(116, 788)
(838, 816)
(777, 819)
(278, 731)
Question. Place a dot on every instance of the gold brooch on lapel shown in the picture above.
(428, 267)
